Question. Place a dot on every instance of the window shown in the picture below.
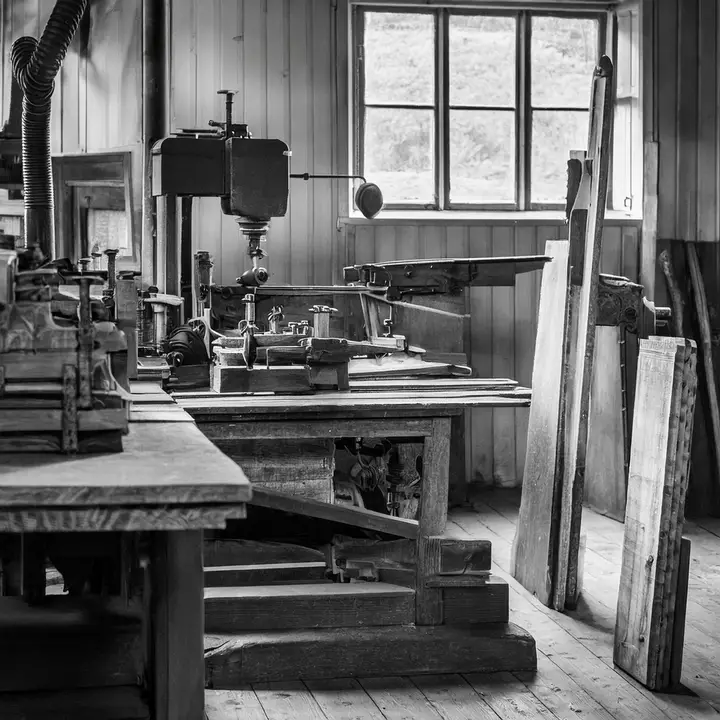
(460, 109)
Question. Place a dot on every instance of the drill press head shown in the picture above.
(250, 176)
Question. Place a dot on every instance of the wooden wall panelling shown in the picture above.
(386, 242)
(503, 364)
(408, 242)
(481, 360)
(526, 292)
(127, 114)
(69, 103)
(323, 233)
(300, 143)
(433, 241)
(255, 50)
(687, 122)
(217, 38)
(707, 96)
(183, 75)
(103, 45)
(251, 71)
(111, 75)
(278, 126)
(667, 103)
(340, 135)
(363, 249)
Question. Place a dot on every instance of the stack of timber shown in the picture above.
(653, 579)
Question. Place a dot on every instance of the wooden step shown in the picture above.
(268, 574)
(232, 661)
(325, 605)
(108, 703)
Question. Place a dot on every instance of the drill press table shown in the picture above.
(132, 647)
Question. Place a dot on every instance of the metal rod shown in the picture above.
(308, 176)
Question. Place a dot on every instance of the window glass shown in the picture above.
(482, 52)
(482, 157)
(563, 55)
(399, 154)
(399, 58)
(554, 135)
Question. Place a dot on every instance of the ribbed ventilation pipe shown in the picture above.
(35, 65)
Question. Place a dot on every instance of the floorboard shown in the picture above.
(575, 678)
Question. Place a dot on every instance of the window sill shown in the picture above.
(454, 217)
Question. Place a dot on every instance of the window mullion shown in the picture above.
(442, 112)
(359, 77)
(524, 111)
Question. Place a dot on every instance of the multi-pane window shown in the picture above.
(459, 110)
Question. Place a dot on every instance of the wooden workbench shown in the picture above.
(135, 650)
(440, 600)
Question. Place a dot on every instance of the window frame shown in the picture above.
(522, 109)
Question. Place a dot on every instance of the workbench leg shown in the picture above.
(433, 516)
(178, 625)
(33, 554)
(458, 475)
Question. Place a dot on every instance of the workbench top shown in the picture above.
(168, 477)
(162, 463)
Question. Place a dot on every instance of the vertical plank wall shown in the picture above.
(684, 120)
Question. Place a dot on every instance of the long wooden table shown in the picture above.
(442, 602)
(145, 508)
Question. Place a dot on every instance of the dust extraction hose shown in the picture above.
(35, 65)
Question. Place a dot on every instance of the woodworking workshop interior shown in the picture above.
(359, 359)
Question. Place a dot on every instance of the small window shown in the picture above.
(472, 110)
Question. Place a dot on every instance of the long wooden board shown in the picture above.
(348, 403)
(534, 545)
(403, 385)
(586, 226)
(358, 517)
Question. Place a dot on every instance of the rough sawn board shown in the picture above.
(534, 546)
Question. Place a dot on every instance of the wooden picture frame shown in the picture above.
(93, 182)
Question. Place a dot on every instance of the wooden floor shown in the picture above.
(575, 679)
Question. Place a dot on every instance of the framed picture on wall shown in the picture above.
(96, 207)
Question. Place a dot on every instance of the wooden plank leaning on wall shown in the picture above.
(555, 577)
(645, 632)
(534, 546)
